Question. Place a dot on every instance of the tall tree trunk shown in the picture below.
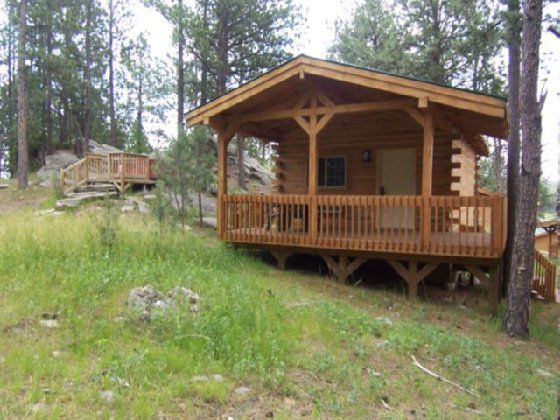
(112, 116)
(223, 50)
(23, 159)
(516, 320)
(87, 123)
(498, 165)
(180, 72)
(514, 69)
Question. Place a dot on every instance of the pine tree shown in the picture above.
(23, 163)
(516, 317)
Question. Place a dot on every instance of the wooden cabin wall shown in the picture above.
(361, 177)
(464, 176)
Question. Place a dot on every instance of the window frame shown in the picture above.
(333, 187)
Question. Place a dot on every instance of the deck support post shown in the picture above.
(492, 284)
(122, 173)
(411, 275)
(427, 164)
(343, 268)
(312, 127)
(225, 134)
(281, 258)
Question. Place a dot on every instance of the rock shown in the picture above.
(101, 148)
(144, 300)
(199, 378)
(242, 390)
(183, 295)
(4, 186)
(183, 407)
(141, 299)
(384, 320)
(67, 203)
(545, 373)
(217, 377)
(76, 199)
(150, 197)
(127, 209)
(53, 164)
(143, 207)
(49, 323)
(35, 408)
(107, 396)
(382, 344)
(47, 183)
(210, 221)
(56, 354)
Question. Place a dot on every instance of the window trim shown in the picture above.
(339, 187)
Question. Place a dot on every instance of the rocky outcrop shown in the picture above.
(53, 164)
(63, 158)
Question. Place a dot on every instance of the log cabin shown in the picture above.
(369, 165)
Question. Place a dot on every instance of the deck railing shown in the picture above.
(119, 168)
(544, 277)
(438, 225)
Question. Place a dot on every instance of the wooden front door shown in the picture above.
(397, 176)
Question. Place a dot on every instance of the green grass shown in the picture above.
(301, 343)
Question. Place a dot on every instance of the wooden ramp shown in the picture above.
(119, 169)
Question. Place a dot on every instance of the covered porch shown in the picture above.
(367, 165)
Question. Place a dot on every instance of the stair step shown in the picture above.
(96, 188)
(75, 199)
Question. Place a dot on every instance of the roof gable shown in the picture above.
(485, 106)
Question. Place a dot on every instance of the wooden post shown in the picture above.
(222, 181)
(225, 133)
(313, 184)
(427, 163)
(281, 258)
(122, 172)
(86, 163)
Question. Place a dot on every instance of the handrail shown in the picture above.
(120, 168)
(433, 225)
(544, 277)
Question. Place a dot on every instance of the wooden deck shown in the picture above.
(425, 226)
(120, 169)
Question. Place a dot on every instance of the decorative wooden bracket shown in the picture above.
(343, 267)
(281, 258)
(316, 120)
(412, 275)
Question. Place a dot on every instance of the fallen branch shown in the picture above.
(441, 378)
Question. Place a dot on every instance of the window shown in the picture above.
(332, 172)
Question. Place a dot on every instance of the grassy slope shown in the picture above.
(303, 344)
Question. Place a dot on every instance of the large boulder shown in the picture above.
(53, 164)
(101, 148)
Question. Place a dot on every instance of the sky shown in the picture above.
(318, 33)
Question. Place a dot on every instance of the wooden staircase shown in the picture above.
(544, 278)
(120, 170)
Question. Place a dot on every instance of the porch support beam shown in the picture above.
(343, 268)
(281, 257)
(411, 275)
(492, 284)
(427, 154)
(225, 133)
